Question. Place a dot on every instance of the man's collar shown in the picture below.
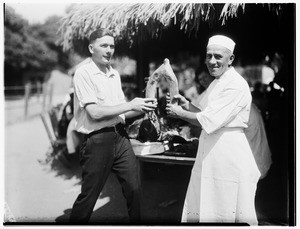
(228, 72)
(96, 70)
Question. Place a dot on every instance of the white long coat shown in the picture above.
(224, 177)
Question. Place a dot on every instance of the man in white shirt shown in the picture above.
(224, 177)
(100, 110)
(255, 132)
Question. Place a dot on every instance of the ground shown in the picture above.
(41, 189)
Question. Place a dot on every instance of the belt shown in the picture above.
(115, 128)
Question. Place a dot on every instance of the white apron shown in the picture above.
(224, 177)
(223, 180)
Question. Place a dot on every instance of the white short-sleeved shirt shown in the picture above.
(94, 86)
(226, 103)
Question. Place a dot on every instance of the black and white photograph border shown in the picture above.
(41, 181)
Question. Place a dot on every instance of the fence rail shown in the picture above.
(28, 91)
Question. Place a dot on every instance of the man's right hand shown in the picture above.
(143, 104)
(183, 102)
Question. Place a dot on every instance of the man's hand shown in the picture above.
(143, 104)
(183, 102)
(174, 111)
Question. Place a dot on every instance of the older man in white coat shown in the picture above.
(224, 177)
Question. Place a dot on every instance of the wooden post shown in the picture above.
(27, 95)
(50, 95)
(142, 66)
(45, 92)
(39, 90)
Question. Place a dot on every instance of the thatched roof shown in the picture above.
(128, 20)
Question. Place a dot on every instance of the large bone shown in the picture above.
(164, 71)
(151, 127)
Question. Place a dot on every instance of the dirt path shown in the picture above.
(40, 189)
(33, 191)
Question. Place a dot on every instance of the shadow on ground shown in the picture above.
(163, 192)
(57, 162)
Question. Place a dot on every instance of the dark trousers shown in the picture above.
(99, 155)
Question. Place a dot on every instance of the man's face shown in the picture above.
(217, 60)
(102, 49)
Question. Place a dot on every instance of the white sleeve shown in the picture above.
(222, 109)
(84, 88)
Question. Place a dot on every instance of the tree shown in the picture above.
(47, 32)
(31, 50)
(23, 50)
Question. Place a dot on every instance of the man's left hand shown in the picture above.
(174, 110)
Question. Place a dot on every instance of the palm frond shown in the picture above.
(128, 20)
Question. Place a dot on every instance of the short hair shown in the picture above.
(100, 33)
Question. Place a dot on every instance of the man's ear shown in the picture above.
(231, 59)
(91, 48)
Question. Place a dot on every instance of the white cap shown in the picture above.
(222, 41)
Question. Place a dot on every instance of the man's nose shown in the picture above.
(109, 50)
(212, 60)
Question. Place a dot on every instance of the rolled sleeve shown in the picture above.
(205, 122)
(87, 100)
(222, 110)
(84, 89)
